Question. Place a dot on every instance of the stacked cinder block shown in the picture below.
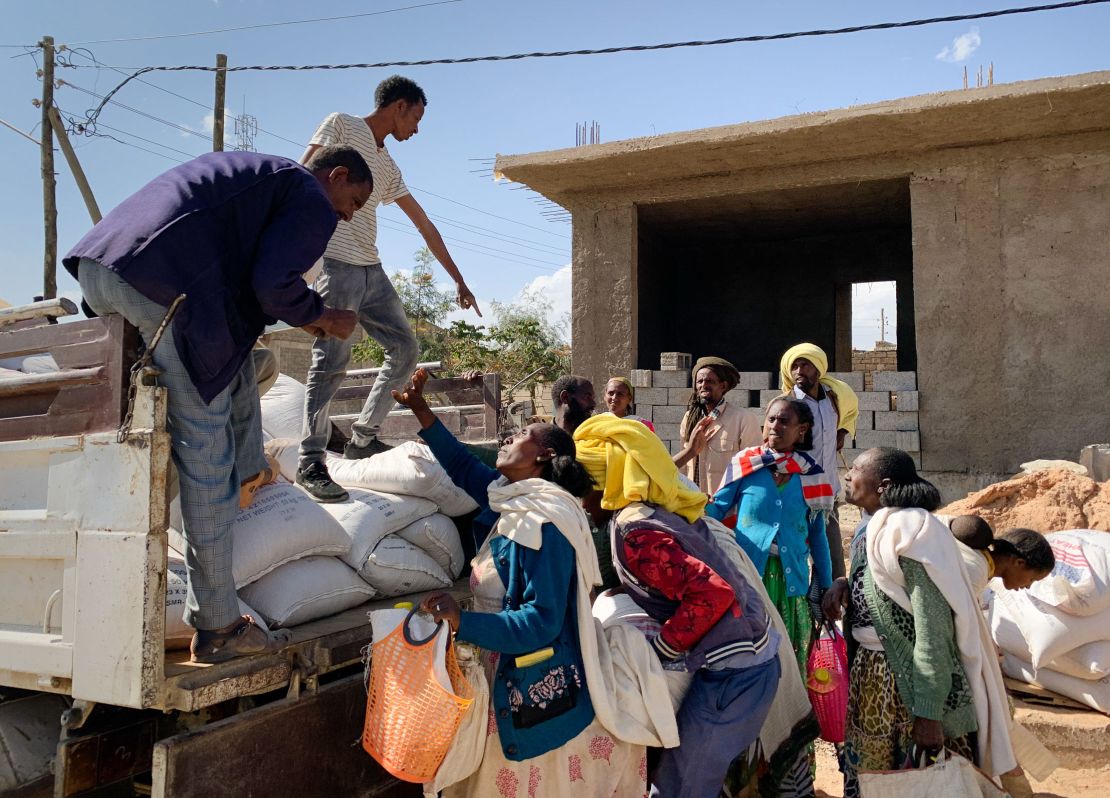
(888, 415)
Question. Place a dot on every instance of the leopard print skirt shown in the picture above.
(877, 736)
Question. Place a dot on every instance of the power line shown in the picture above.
(485, 246)
(84, 127)
(151, 141)
(84, 53)
(88, 55)
(261, 25)
(637, 48)
(406, 231)
(545, 249)
(487, 213)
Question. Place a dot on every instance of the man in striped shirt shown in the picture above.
(353, 279)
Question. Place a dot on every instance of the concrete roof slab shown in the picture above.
(988, 115)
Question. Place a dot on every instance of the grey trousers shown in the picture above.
(367, 291)
(213, 444)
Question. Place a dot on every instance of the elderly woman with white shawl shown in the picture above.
(923, 671)
(563, 719)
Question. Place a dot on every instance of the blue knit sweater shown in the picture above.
(538, 707)
(767, 515)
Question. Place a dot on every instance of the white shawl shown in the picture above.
(791, 703)
(623, 673)
(920, 536)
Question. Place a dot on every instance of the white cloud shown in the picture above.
(555, 288)
(208, 121)
(961, 47)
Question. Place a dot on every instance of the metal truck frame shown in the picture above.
(83, 544)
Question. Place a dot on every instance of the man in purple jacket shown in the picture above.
(234, 232)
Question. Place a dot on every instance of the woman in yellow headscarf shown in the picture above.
(713, 623)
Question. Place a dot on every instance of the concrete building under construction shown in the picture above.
(989, 208)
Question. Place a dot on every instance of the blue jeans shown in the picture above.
(367, 291)
(214, 446)
(719, 719)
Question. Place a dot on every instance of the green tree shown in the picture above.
(525, 338)
(426, 307)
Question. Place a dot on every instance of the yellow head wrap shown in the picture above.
(847, 402)
(630, 464)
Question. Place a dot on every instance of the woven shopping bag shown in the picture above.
(950, 776)
(827, 680)
(417, 698)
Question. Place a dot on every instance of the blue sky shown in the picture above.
(478, 110)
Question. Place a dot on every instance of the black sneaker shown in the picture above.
(319, 485)
(353, 451)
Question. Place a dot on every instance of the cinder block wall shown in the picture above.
(888, 411)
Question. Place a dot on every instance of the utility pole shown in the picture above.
(75, 166)
(49, 184)
(218, 109)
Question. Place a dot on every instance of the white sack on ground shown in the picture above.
(408, 469)
(397, 567)
(178, 633)
(1095, 694)
(281, 525)
(283, 408)
(305, 590)
(1080, 582)
(1090, 660)
(367, 517)
(1048, 633)
(438, 537)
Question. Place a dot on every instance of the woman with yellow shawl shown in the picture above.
(713, 623)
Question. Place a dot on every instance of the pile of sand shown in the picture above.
(1048, 501)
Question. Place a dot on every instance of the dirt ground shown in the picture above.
(1064, 783)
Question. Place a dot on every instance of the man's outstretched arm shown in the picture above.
(434, 240)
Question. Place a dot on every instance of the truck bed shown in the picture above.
(317, 647)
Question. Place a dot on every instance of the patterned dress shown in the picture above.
(877, 734)
(592, 764)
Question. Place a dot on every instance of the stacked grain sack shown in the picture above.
(1057, 633)
(286, 558)
(401, 538)
(398, 517)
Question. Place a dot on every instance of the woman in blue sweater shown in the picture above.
(777, 496)
(543, 737)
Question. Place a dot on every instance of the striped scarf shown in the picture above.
(817, 487)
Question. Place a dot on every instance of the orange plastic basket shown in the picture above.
(411, 720)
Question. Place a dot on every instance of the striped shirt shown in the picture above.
(355, 241)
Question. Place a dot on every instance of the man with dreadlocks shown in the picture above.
(573, 399)
(704, 457)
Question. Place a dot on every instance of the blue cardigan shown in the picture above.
(543, 706)
(766, 515)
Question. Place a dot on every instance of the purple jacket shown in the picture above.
(234, 231)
